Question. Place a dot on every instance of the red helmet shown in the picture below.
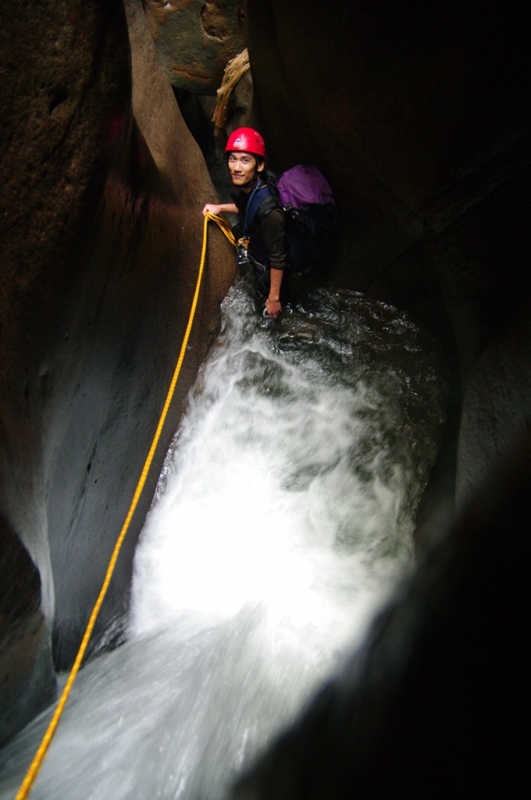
(246, 140)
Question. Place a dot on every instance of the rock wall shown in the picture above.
(436, 704)
(195, 39)
(419, 115)
(101, 232)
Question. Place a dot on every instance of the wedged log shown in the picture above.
(419, 115)
(101, 232)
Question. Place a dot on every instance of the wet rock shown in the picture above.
(27, 679)
(59, 132)
(101, 231)
(436, 702)
(419, 117)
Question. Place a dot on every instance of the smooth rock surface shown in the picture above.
(101, 232)
(419, 115)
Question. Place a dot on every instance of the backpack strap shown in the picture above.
(261, 202)
(266, 206)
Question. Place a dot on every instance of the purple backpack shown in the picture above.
(310, 210)
(302, 186)
(308, 203)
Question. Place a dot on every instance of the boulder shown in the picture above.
(195, 39)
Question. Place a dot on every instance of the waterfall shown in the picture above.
(282, 519)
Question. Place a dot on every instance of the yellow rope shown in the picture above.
(40, 755)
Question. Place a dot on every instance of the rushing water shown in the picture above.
(282, 517)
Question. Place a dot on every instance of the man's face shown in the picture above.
(242, 168)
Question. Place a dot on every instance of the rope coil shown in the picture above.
(42, 750)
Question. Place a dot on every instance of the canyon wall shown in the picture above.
(101, 233)
(195, 40)
(418, 113)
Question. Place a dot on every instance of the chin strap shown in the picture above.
(253, 180)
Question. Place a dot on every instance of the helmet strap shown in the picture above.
(250, 184)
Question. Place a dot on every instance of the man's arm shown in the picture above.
(273, 304)
(273, 231)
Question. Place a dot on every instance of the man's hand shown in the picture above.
(272, 304)
(221, 208)
(273, 308)
(214, 208)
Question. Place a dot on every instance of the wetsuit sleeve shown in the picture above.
(273, 233)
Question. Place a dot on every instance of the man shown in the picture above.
(260, 216)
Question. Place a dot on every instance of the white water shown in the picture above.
(282, 518)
